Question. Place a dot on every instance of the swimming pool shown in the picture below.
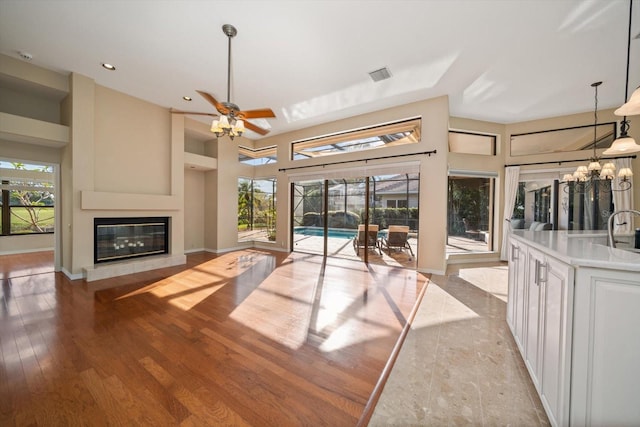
(338, 233)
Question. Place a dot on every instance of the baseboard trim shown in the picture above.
(192, 251)
(71, 276)
(26, 251)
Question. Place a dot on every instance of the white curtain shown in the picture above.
(622, 200)
(511, 178)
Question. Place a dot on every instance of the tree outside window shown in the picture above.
(27, 203)
(256, 209)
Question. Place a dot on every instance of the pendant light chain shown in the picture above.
(626, 87)
(595, 118)
(624, 124)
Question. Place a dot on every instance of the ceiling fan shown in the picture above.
(233, 121)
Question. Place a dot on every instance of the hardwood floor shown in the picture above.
(245, 338)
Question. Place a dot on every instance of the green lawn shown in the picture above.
(44, 215)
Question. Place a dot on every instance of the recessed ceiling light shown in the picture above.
(187, 98)
(108, 66)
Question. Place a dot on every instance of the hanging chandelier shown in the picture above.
(625, 144)
(587, 178)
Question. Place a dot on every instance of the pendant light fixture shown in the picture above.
(625, 144)
(585, 178)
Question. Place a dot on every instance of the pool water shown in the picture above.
(337, 233)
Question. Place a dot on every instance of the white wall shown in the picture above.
(125, 159)
(433, 170)
(194, 210)
(26, 243)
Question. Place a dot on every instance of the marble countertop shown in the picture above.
(580, 249)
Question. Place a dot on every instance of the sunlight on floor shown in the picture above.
(489, 279)
(188, 288)
(344, 336)
(442, 308)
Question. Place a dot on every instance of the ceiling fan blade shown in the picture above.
(256, 129)
(221, 108)
(194, 113)
(256, 114)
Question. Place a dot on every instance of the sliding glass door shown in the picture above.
(308, 216)
(329, 218)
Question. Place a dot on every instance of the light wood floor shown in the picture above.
(245, 338)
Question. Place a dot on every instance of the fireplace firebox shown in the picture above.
(117, 239)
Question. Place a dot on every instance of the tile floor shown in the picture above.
(459, 364)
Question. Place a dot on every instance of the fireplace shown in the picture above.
(116, 239)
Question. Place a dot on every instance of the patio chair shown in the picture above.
(372, 241)
(397, 236)
(471, 231)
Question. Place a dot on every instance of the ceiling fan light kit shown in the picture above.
(232, 121)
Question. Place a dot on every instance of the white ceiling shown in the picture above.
(498, 60)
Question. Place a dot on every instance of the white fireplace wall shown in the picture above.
(125, 158)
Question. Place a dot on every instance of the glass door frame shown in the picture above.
(325, 216)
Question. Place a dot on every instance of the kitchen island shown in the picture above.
(574, 311)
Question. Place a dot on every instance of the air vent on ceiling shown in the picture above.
(381, 74)
(25, 55)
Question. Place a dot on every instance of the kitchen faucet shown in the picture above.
(612, 241)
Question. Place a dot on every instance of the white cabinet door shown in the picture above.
(516, 298)
(535, 260)
(556, 295)
(605, 387)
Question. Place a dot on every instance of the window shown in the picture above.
(350, 201)
(256, 209)
(542, 205)
(470, 210)
(472, 143)
(397, 204)
(261, 156)
(27, 201)
(589, 210)
(559, 204)
(562, 140)
(387, 135)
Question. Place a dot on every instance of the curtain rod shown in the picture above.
(428, 153)
(569, 161)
